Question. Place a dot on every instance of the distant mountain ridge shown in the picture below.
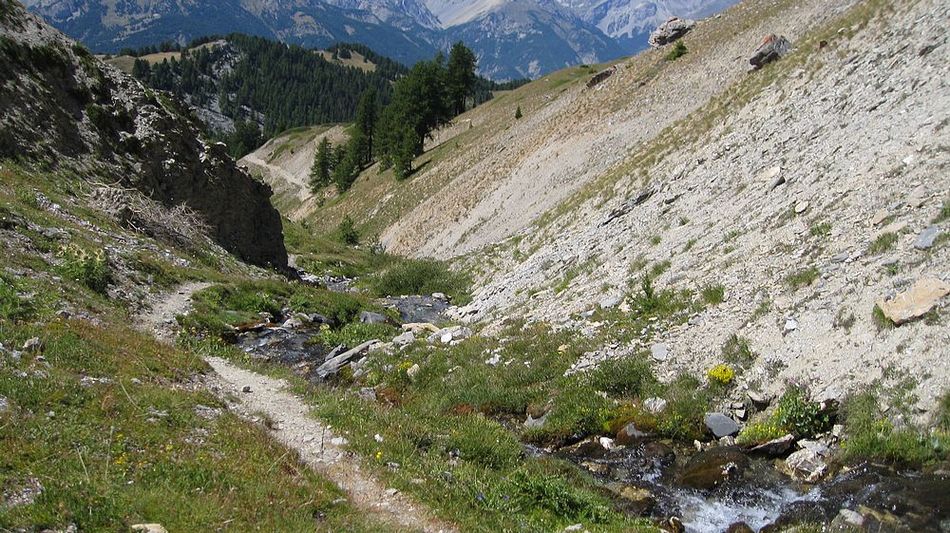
(512, 38)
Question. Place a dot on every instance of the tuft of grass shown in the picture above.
(800, 416)
(821, 230)
(687, 404)
(883, 243)
(627, 377)
(713, 294)
(422, 276)
(679, 50)
(12, 306)
(737, 351)
(880, 320)
(944, 214)
(802, 278)
(760, 432)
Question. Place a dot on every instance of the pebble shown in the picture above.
(927, 238)
(246, 389)
(660, 351)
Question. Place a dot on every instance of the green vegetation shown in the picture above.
(760, 432)
(421, 276)
(821, 230)
(355, 333)
(883, 243)
(795, 414)
(721, 375)
(89, 268)
(737, 351)
(139, 445)
(802, 278)
(679, 50)
(12, 306)
(880, 320)
(713, 294)
(871, 435)
(944, 214)
(518, 113)
(347, 231)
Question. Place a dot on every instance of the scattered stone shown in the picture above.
(575, 527)
(660, 351)
(721, 425)
(790, 325)
(607, 443)
(369, 317)
(808, 464)
(535, 423)
(927, 238)
(439, 296)
(880, 216)
(420, 328)
(773, 47)
(413, 371)
(17, 496)
(669, 31)
(801, 207)
(775, 447)
(367, 393)
(611, 301)
(246, 389)
(404, 339)
(292, 323)
(338, 441)
(629, 434)
(63, 314)
(642, 500)
(759, 399)
(34, 346)
(714, 466)
(740, 527)
(149, 528)
(915, 303)
(918, 197)
(654, 405)
(448, 335)
(4, 405)
(334, 364)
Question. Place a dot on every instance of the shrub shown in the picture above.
(518, 113)
(880, 320)
(422, 276)
(821, 230)
(760, 433)
(347, 231)
(624, 377)
(89, 268)
(679, 50)
(687, 403)
(721, 374)
(800, 416)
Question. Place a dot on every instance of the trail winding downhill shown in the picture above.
(252, 395)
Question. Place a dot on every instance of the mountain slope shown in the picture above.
(793, 190)
(71, 112)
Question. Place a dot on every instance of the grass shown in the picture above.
(134, 448)
(821, 230)
(802, 278)
(883, 243)
(944, 214)
(354, 334)
(794, 414)
(870, 435)
(713, 294)
(679, 50)
(422, 276)
(737, 351)
(880, 320)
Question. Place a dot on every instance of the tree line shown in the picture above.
(429, 96)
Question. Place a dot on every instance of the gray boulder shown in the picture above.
(721, 425)
(927, 238)
(369, 317)
(773, 47)
(671, 30)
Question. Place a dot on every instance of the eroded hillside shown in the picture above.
(797, 197)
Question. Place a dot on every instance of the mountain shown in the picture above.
(70, 112)
(111, 26)
(527, 38)
(631, 21)
(403, 14)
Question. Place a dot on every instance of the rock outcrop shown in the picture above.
(669, 31)
(773, 47)
(62, 108)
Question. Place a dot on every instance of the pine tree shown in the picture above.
(322, 165)
(367, 113)
(404, 151)
(518, 114)
(460, 79)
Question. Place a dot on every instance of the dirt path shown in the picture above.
(250, 394)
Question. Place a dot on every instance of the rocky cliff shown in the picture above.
(63, 109)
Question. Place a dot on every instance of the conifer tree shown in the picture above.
(322, 165)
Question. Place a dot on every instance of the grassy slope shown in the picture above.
(106, 419)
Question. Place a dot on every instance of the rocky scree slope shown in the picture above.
(62, 108)
(809, 191)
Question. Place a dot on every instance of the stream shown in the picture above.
(719, 489)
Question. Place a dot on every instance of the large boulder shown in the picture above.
(915, 303)
(671, 30)
(710, 468)
(773, 47)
